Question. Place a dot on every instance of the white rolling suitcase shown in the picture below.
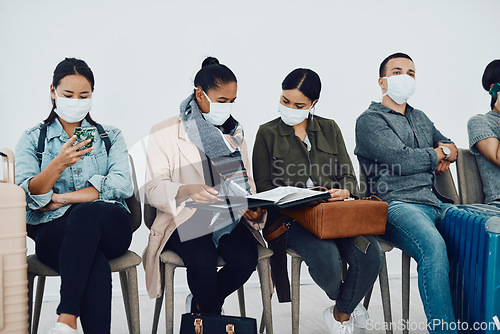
(13, 266)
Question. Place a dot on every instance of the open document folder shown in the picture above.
(280, 197)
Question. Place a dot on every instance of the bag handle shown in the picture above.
(7, 157)
(372, 197)
(280, 226)
(198, 326)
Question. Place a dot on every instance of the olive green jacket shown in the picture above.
(280, 158)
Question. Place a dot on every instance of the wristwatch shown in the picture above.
(446, 151)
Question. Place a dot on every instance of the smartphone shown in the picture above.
(494, 90)
(83, 133)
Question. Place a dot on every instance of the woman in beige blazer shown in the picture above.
(197, 157)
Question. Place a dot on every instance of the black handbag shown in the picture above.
(193, 323)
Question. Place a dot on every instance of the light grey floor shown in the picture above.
(313, 302)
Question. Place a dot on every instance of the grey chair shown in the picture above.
(125, 265)
(446, 186)
(470, 186)
(383, 280)
(384, 277)
(169, 261)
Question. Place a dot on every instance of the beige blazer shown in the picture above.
(172, 161)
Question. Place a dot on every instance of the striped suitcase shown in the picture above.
(472, 235)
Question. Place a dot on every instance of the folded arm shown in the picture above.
(377, 141)
(490, 149)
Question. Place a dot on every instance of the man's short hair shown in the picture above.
(382, 69)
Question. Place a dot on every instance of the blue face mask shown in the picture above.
(219, 112)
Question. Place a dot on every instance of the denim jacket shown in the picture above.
(109, 174)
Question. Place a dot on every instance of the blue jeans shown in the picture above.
(324, 260)
(412, 228)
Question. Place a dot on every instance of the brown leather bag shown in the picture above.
(342, 219)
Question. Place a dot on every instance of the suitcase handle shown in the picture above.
(7, 159)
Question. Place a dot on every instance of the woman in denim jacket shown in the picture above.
(76, 211)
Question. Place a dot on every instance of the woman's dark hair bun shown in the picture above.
(213, 75)
(209, 61)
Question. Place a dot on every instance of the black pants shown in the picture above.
(209, 286)
(78, 245)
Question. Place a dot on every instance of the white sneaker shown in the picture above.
(61, 328)
(189, 300)
(360, 316)
(336, 327)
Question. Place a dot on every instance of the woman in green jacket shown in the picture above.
(304, 150)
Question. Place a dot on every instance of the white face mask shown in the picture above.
(219, 112)
(72, 110)
(400, 87)
(293, 117)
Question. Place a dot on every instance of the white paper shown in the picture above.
(283, 195)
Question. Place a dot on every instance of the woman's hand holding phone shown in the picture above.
(70, 154)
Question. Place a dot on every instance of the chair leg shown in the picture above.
(263, 319)
(405, 264)
(241, 300)
(126, 301)
(368, 296)
(296, 262)
(128, 280)
(262, 322)
(169, 298)
(159, 302)
(40, 286)
(31, 281)
(265, 288)
(386, 296)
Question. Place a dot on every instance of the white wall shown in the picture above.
(145, 54)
